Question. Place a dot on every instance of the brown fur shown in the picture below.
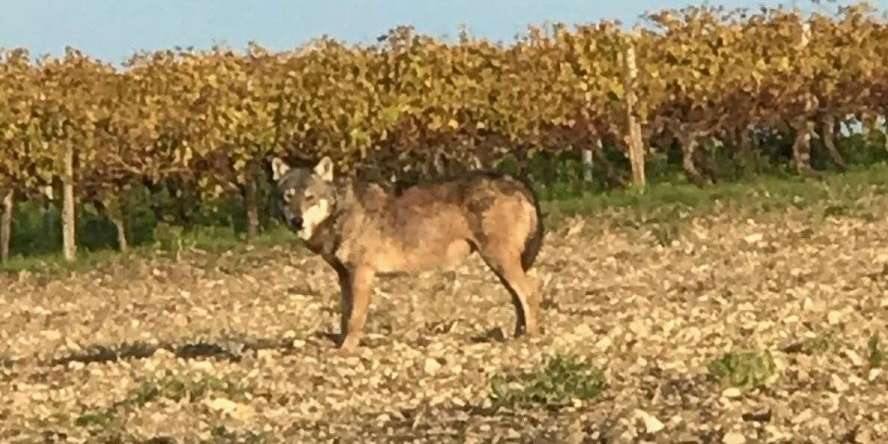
(374, 231)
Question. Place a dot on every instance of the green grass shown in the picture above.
(744, 369)
(763, 192)
(562, 379)
(662, 207)
(665, 208)
(820, 344)
(213, 240)
(177, 389)
(173, 388)
(98, 419)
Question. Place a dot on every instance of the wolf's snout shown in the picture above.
(296, 222)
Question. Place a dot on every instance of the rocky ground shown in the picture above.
(733, 326)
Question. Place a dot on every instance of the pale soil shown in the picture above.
(652, 317)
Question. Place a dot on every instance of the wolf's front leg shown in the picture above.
(356, 300)
(345, 303)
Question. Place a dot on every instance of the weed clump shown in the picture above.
(744, 369)
(875, 355)
(562, 379)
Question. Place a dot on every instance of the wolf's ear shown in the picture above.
(324, 168)
(278, 168)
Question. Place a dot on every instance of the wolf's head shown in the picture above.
(308, 196)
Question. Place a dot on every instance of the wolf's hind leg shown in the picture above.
(524, 297)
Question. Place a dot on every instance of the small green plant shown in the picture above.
(176, 389)
(170, 387)
(875, 355)
(665, 233)
(820, 344)
(744, 369)
(97, 419)
(223, 435)
(837, 210)
(816, 345)
(563, 378)
(169, 237)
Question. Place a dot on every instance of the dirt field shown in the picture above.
(237, 348)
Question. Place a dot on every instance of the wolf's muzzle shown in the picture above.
(296, 222)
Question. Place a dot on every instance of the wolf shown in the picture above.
(365, 229)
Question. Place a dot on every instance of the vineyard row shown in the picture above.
(210, 120)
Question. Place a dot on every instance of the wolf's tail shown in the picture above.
(534, 240)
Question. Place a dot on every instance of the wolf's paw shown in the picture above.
(522, 333)
(349, 345)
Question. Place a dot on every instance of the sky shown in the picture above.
(113, 30)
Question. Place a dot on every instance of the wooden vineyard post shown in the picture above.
(6, 224)
(804, 127)
(250, 192)
(587, 165)
(801, 147)
(120, 227)
(68, 217)
(828, 135)
(588, 161)
(252, 204)
(633, 138)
